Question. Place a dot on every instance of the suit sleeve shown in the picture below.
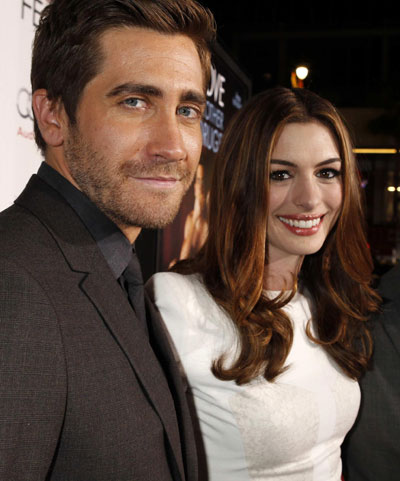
(32, 377)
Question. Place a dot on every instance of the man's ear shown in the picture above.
(50, 117)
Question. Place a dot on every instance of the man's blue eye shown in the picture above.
(134, 102)
(188, 112)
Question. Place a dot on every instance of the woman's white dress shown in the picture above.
(290, 429)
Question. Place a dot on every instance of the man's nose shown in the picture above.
(166, 140)
(306, 194)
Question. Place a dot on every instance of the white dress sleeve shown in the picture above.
(194, 321)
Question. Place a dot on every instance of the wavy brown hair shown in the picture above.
(234, 257)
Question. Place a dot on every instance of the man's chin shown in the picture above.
(139, 209)
(145, 220)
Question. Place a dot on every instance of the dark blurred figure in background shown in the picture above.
(371, 451)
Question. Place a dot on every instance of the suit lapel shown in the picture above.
(129, 334)
(102, 289)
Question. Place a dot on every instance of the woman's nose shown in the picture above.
(306, 194)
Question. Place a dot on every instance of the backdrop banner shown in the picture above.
(19, 156)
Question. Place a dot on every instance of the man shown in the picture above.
(88, 386)
(371, 451)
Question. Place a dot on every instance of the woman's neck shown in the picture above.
(281, 274)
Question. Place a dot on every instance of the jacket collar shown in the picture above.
(113, 244)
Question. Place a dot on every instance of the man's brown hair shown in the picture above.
(66, 51)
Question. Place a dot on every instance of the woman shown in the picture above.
(268, 319)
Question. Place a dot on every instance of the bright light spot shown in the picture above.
(391, 188)
(301, 72)
(374, 151)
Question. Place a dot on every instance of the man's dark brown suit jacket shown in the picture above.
(82, 396)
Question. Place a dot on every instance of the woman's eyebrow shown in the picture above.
(283, 162)
(293, 164)
(330, 161)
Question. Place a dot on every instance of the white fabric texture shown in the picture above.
(287, 430)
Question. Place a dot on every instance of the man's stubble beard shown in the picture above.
(112, 189)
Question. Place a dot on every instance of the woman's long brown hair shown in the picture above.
(234, 256)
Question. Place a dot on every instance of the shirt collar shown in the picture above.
(114, 246)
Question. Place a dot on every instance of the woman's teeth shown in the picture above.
(302, 224)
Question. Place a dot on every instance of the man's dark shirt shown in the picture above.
(115, 247)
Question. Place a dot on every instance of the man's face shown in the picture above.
(137, 139)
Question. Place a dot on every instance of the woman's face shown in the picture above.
(305, 191)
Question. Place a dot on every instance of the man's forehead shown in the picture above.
(142, 42)
(130, 54)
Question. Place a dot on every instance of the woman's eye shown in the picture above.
(280, 175)
(189, 112)
(134, 102)
(328, 173)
